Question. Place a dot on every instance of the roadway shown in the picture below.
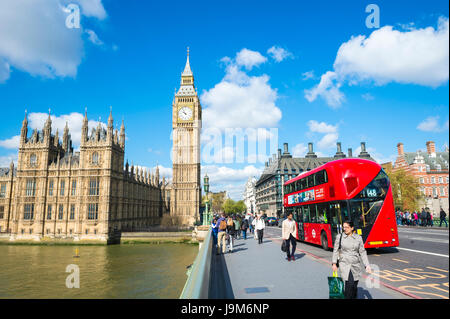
(418, 267)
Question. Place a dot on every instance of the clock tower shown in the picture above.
(186, 125)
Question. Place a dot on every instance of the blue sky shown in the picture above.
(328, 86)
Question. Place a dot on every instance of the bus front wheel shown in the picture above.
(324, 241)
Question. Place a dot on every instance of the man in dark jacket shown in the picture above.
(429, 218)
(423, 217)
(244, 228)
(442, 216)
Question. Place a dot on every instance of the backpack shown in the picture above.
(223, 225)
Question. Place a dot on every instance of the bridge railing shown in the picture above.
(197, 284)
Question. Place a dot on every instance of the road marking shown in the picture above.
(443, 270)
(402, 261)
(436, 233)
(433, 240)
(376, 255)
(423, 252)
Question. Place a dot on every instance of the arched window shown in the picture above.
(33, 159)
(95, 158)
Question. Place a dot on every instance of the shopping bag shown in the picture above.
(284, 246)
(336, 286)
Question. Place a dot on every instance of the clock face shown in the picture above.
(185, 113)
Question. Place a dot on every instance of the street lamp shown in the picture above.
(206, 217)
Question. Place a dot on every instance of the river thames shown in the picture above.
(115, 271)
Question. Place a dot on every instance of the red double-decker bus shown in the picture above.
(347, 189)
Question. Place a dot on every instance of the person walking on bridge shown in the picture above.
(259, 228)
(442, 216)
(230, 233)
(221, 235)
(349, 251)
(288, 233)
(244, 228)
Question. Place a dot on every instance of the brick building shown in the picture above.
(431, 169)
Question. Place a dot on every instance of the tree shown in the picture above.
(217, 200)
(229, 206)
(405, 189)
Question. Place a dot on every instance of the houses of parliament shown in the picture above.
(91, 194)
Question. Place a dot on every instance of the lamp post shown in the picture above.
(206, 217)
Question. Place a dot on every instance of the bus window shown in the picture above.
(321, 177)
(305, 210)
(324, 215)
(313, 213)
(310, 181)
(334, 218)
(299, 214)
(343, 208)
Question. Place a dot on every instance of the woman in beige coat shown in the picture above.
(350, 254)
(288, 233)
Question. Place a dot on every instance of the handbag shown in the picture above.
(336, 287)
(339, 249)
(284, 246)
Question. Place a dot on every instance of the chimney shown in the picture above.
(339, 153)
(267, 164)
(400, 149)
(274, 158)
(364, 153)
(310, 151)
(279, 153)
(350, 153)
(286, 148)
(431, 148)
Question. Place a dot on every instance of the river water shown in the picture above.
(116, 271)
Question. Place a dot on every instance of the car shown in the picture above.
(280, 221)
(271, 221)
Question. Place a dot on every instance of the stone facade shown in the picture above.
(186, 125)
(431, 169)
(282, 167)
(250, 195)
(86, 195)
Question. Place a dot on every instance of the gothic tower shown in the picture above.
(186, 124)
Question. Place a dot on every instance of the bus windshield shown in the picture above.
(365, 206)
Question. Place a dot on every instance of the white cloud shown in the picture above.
(34, 37)
(431, 124)
(5, 161)
(240, 100)
(418, 56)
(412, 56)
(11, 143)
(249, 58)
(328, 89)
(94, 38)
(299, 150)
(367, 96)
(92, 8)
(279, 54)
(308, 75)
(321, 127)
(328, 141)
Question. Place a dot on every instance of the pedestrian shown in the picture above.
(214, 230)
(423, 218)
(407, 218)
(403, 218)
(221, 235)
(237, 228)
(416, 219)
(350, 252)
(259, 228)
(442, 216)
(230, 233)
(428, 218)
(244, 228)
(288, 234)
(431, 220)
(250, 223)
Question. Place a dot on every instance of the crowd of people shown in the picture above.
(227, 228)
(423, 218)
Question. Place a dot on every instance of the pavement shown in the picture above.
(261, 271)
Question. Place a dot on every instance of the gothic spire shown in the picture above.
(187, 69)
